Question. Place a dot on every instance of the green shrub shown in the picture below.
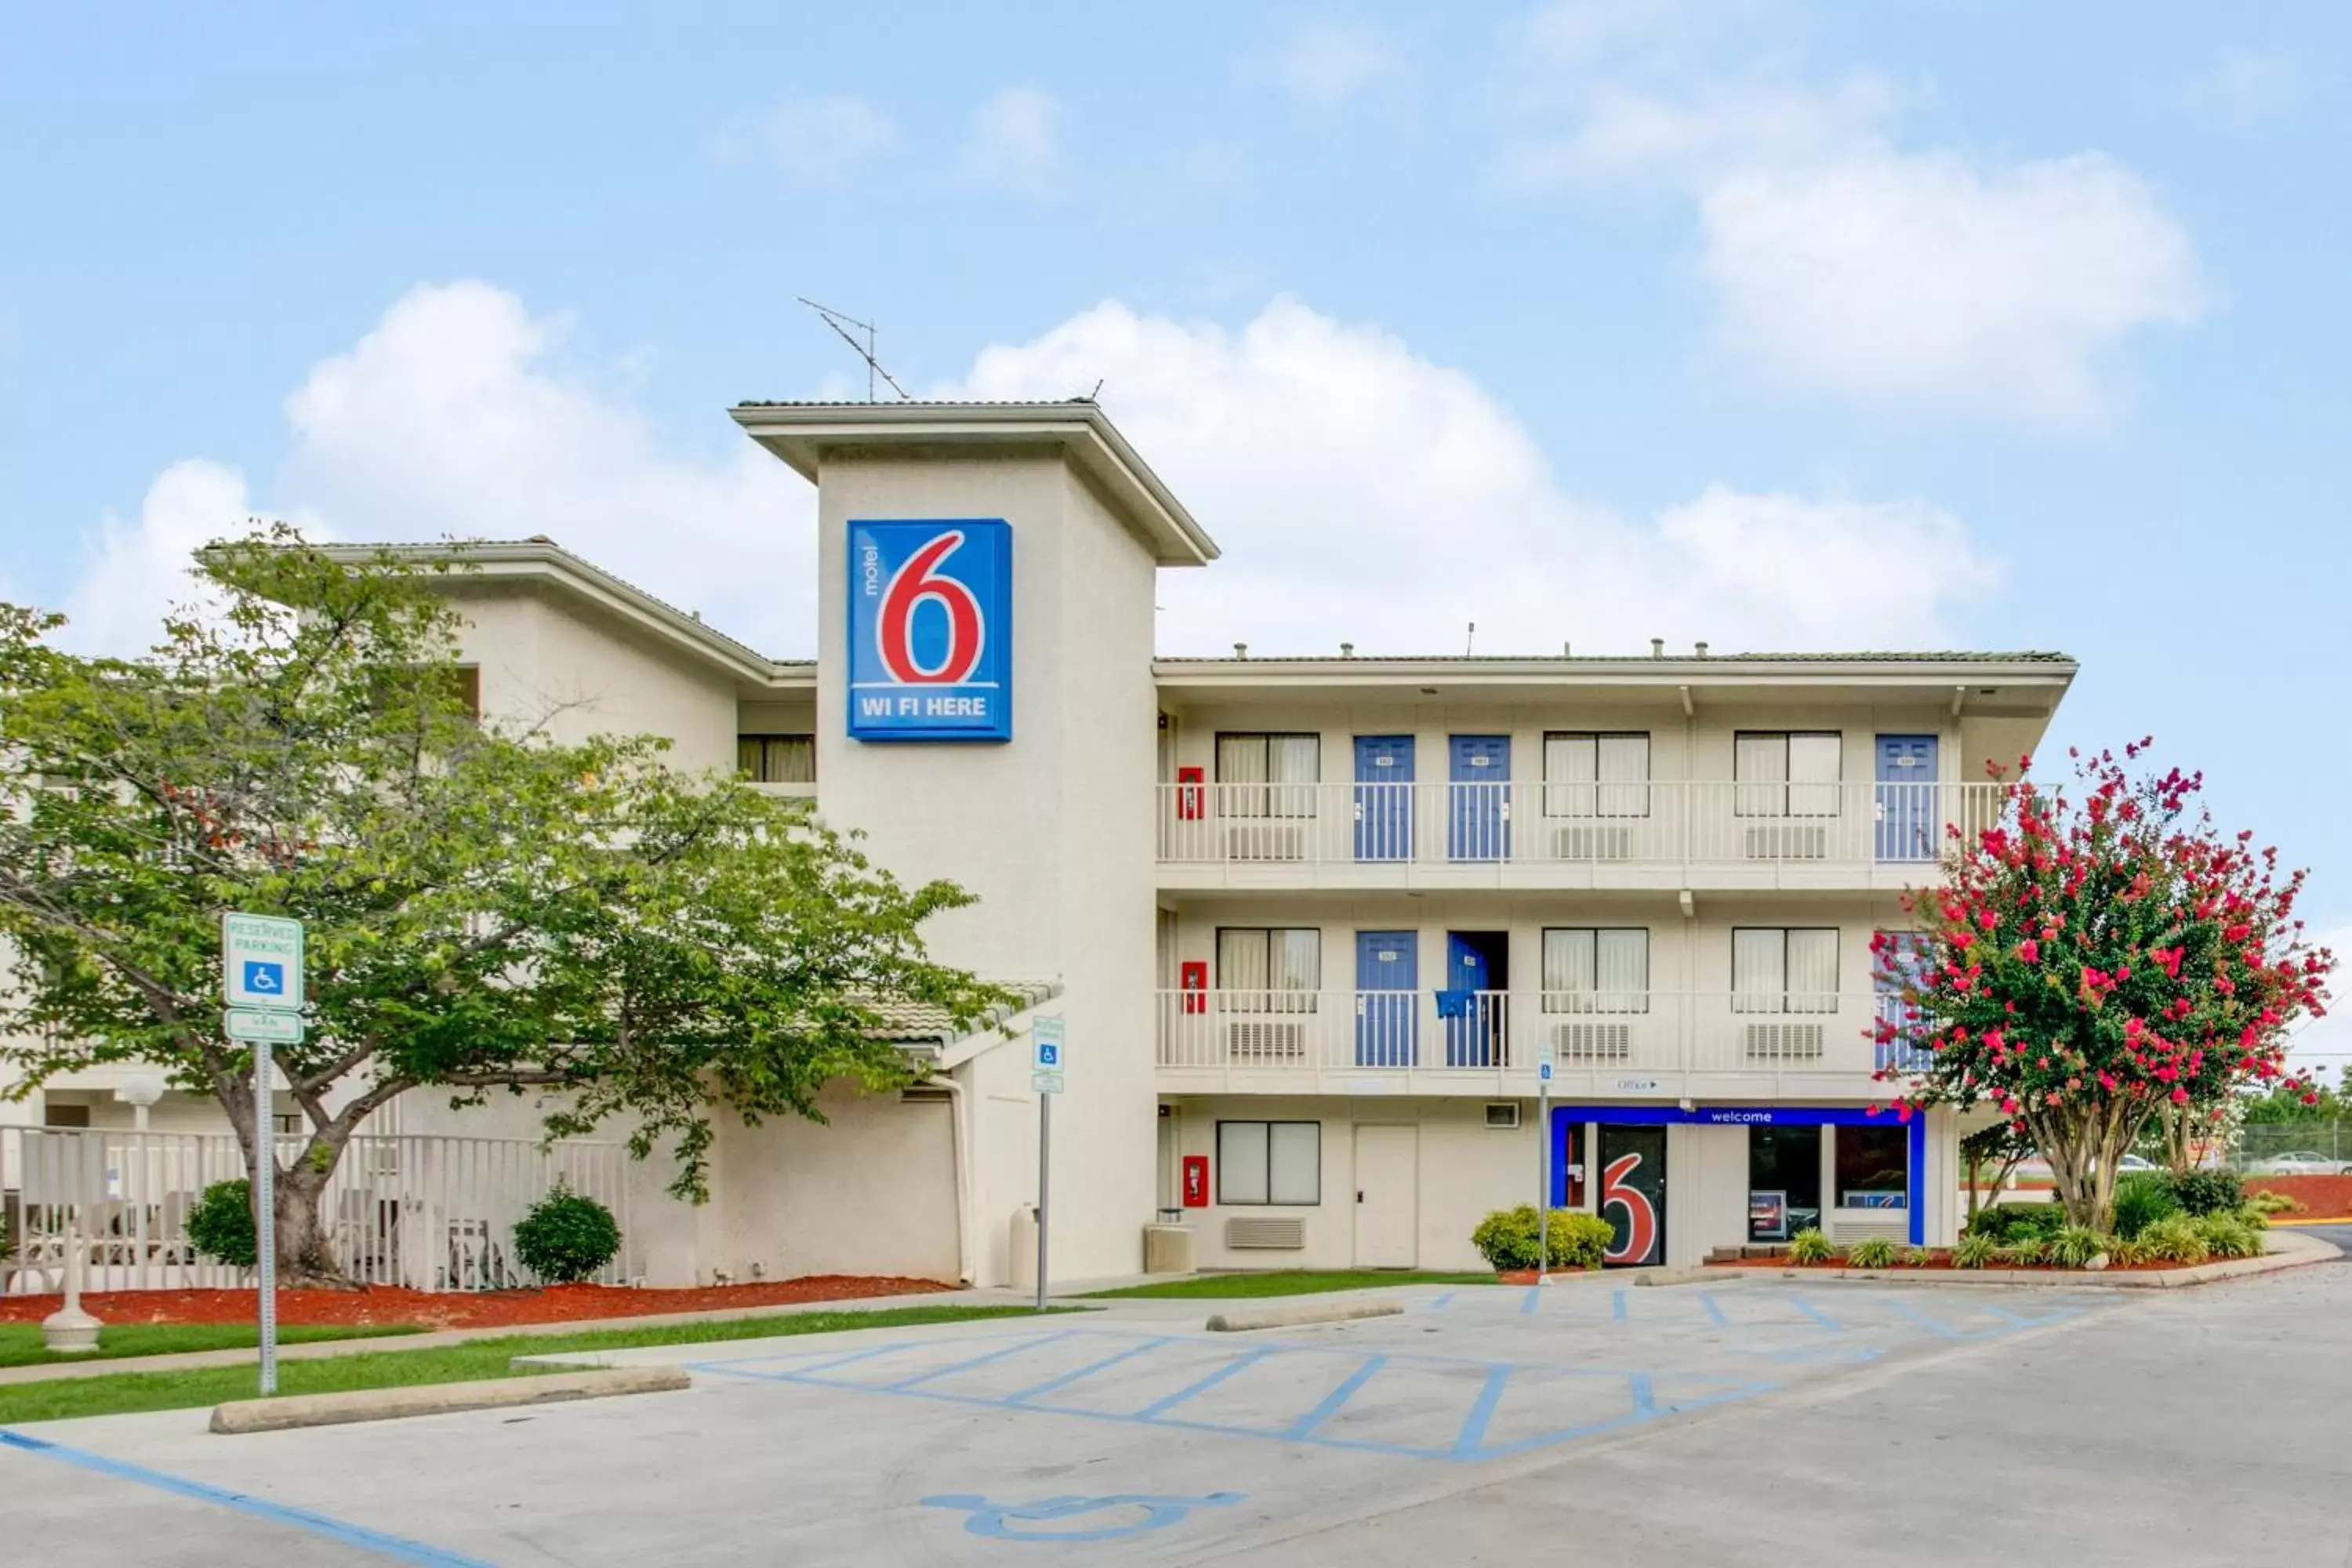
(1872, 1252)
(2141, 1199)
(2008, 1223)
(2254, 1218)
(2074, 1247)
(1976, 1250)
(2268, 1202)
(2125, 1251)
(2024, 1252)
(2227, 1235)
(1810, 1246)
(2200, 1192)
(221, 1225)
(1578, 1240)
(2175, 1238)
(1507, 1238)
(566, 1237)
(1917, 1258)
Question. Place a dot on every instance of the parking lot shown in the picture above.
(1755, 1421)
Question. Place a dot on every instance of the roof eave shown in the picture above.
(801, 434)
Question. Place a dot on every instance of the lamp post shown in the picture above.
(140, 1090)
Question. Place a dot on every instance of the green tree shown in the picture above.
(487, 909)
(2097, 964)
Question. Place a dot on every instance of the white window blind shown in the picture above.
(1269, 1161)
(1784, 970)
(1269, 970)
(777, 759)
(1782, 773)
(1596, 775)
(1596, 970)
(1268, 774)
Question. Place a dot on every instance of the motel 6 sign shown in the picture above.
(931, 630)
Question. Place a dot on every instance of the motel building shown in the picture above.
(1313, 924)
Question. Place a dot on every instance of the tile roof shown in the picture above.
(928, 1023)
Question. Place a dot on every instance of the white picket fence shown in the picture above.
(428, 1212)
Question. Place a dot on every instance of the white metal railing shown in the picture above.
(1678, 822)
(1595, 1036)
(430, 1211)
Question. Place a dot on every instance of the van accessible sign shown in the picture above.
(931, 630)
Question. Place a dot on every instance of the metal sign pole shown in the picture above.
(1044, 1179)
(1543, 1165)
(265, 1212)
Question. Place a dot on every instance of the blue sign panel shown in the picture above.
(265, 979)
(931, 630)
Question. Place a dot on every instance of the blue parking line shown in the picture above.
(1085, 1372)
(1442, 1302)
(1714, 1309)
(1941, 1329)
(1617, 1305)
(398, 1548)
(1473, 1434)
(976, 1361)
(1247, 1358)
(1816, 1314)
(1337, 1397)
(1534, 1295)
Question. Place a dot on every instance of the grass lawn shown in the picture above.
(121, 1393)
(1289, 1282)
(20, 1343)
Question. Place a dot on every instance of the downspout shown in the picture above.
(962, 1137)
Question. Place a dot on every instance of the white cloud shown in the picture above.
(1015, 141)
(2244, 88)
(450, 419)
(1843, 262)
(1329, 64)
(1363, 493)
(137, 569)
(1926, 281)
(813, 138)
(1360, 491)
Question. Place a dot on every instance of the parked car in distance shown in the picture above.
(2302, 1163)
(2137, 1163)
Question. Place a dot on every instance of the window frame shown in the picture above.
(1559, 794)
(766, 741)
(1291, 998)
(1265, 1126)
(1783, 1005)
(1558, 1001)
(1269, 797)
(1780, 798)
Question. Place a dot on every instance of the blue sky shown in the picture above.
(1773, 323)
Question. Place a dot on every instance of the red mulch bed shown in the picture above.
(385, 1304)
(1941, 1263)
(2319, 1195)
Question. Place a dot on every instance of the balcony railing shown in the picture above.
(1629, 1042)
(1672, 822)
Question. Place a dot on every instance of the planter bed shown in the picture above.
(382, 1304)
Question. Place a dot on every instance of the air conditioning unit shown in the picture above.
(1592, 841)
(1265, 841)
(1781, 1042)
(1266, 1232)
(1591, 1042)
(1256, 1040)
(1503, 1114)
(1787, 841)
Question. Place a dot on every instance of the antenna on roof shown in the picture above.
(840, 325)
(1470, 640)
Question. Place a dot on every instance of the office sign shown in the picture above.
(931, 630)
(261, 962)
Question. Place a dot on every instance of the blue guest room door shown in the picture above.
(1388, 997)
(1384, 797)
(1908, 824)
(1479, 821)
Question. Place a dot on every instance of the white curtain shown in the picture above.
(1625, 766)
(1759, 969)
(1293, 1162)
(1760, 765)
(1268, 775)
(1814, 761)
(1241, 1162)
(1813, 971)
(1587, 971)
(1269, 970)
(1571, 769)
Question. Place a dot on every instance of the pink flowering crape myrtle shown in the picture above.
(2095, 965)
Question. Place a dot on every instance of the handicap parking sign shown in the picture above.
(1049, 1053)
(265, 979)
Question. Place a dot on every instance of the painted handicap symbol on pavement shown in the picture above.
(999, 1519)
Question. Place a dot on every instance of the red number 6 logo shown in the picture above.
(909, 586)
(1641, 1218)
